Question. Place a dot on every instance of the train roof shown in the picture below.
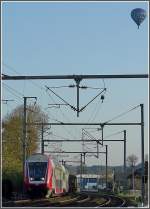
(37, 157)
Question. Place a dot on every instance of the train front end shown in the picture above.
(36, 175)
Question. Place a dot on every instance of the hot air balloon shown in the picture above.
(138, 15)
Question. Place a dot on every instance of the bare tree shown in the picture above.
(132, 160)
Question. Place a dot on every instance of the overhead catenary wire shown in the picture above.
(90, 87)
(8, 105)
(120, 115)
(12, 69)
(97, 108)
(94, 114)
(57, 87)
(5, 101)
(55, 119)
(69, 133)
(57, 136)
(9, 67)
(40, 87)
(8, 89)
(114, 134)
(60, 110)
(116, 116)
(72, 107)
(85, 146)
(92, 100)
(11, 90)
(16, 91)
(61, 98)
(73, 86)
(34, 83)
(89, 135)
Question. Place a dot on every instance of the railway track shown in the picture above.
(113, 201)
(73, 200)
(97, 201)
(54, 201)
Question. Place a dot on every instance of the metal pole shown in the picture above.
(84, 157)
(117, 76)
(81, 175)
(124, 159)
(85, 140)
(24, 131)
(106, 164)
(82, 140)
(75, 152)
(77, 100)
(102, 126)
(142, 153)
(24, 135)
(42, 142)
(77, 84)
(86, 124)
(97, 150)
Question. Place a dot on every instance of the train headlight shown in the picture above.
(31, 179)
(42, 179)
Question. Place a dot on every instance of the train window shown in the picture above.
(37, 171)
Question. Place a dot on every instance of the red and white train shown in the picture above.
(43, 176)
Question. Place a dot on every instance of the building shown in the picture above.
(91, 182)
(136, 177)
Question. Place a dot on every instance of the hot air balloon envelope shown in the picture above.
(138, 15)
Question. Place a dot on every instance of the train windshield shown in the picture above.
(37, 171)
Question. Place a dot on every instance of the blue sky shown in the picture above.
(55, 38)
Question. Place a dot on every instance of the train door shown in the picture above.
(58, 180)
